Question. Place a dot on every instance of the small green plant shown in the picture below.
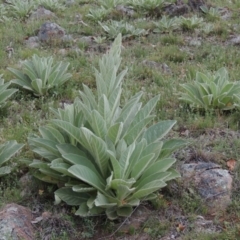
(99, 39)
(148, 6)
(100, 152)
(166, 24)
(207, 28)
(7, 150)
(21, 8)
(211, 91)
(98, 14)
(211, 13)
(4, 92)
(3, 13)
(51, 4)
(111, 4)
(189, 24)
(127, 30)
(40, 74)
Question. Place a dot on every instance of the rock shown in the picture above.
(87, 40)
(196, 4)
(15, 223)
(181, 8)
(69, 2)
(212, 183)
(235, 40)
(26, 182)
(137, 219)
(67, 38)
(42, 13)
(62, 51)
(201, 225)
(50, 31)
(195, 42)
(32, 42)
(126, 11)
(161, 66)
(225, 13)
(175, 10)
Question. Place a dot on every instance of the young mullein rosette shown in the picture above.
(40, 74)
(100, 152)
(211, 91)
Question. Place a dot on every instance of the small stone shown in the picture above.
(125, 10)
(86, 39)
(225, 13)
(196, 4)
(42, 13)
(26, 185)
(69, 2)
(177, 10)
(235, 40)
(160, 66)
(201, 225)
(62, 52)
(32, 42)
(195, 42)
(67, 38)
(25, 180)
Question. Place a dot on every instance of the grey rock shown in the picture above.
(163, 67)
(212, 183)
(32, 42)
(127, 11)
(195, 42)
(235, 40)
(196, 4)
(67, 38)
(50, 31)
(87, 39)
(137, 219)
(42, 13)
(15, 223)
(225, 13)
(70, 2)
(26, 182)
(201, 225)
(175, 10)
(62, 51)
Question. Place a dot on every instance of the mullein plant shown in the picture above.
(211, 91)
(113, 28)
(148, 6)
(190, 24)
(166, 24)
(21, 8)
(51, 4)
(100, 152)
(5, 92)
(40, 74)
(7, 150)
